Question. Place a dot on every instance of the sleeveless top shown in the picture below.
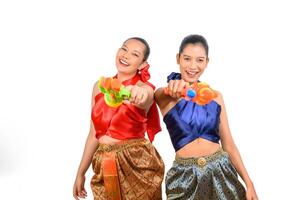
(126, 121)
(187, 120)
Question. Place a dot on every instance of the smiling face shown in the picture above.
(193, 61)
(130, 57)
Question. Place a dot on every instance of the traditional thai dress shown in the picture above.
(199, 178)
(139, 167)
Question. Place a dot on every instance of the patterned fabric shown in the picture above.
(140, 170)
(204, 178)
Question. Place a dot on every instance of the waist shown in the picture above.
(198, 147)
(121, 145)
(200, 160)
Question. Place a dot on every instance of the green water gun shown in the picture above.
(113, 90)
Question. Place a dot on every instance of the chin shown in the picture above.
(191, 79)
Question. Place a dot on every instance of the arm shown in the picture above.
(89, 150)
(162, 100)
(166, 101)
(230, 147)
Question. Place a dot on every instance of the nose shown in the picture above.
(194, 65)
(125, 55)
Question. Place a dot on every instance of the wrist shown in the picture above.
(249, 184)
(80, 174)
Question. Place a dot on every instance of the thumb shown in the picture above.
(129, 88)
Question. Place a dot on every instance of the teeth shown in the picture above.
(123, 62)
(191, 73)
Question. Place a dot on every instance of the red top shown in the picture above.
(125, 121)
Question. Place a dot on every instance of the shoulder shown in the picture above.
(219, 98)
(96, 90)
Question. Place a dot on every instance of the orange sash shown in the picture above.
(110, 176)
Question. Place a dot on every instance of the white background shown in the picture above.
(52, 52)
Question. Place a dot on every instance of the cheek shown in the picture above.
(203, 66)
(138, 61)
(118, 54)
(184, 65)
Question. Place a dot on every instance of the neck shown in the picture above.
(123, 77)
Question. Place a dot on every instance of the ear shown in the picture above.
(144, 64)
(178, 58)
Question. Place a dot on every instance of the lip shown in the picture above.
(191, 74)
(123, 63)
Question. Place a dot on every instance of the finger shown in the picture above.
(131, 89)
(170, 87)
(134, 94)
(143, 98)
(175, 88)
(126, 101)
(82, 195)
(75, 195)
(181, 87)
(84, 191)
(140, 94)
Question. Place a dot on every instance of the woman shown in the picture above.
(126, 165)
(202, 169)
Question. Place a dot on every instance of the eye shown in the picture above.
(123, 49)
(200, 60)
(187, 59)
(135, 54)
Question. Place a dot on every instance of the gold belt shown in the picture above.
(200, 161)
(122, 145)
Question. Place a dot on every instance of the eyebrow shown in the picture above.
(136, 51)
(197, 57)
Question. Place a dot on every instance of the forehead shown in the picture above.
(194, 50)
(135, 45)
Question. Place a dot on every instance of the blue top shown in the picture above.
(187, 121)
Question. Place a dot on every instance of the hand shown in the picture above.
(175, 88)
(138, 94)
(251, 193)
(79, 188)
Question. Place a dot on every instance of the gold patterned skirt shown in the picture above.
(140, 170)
(204, 178)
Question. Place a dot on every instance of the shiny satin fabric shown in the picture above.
(110, 176)
(140, 170)
(188, 120)
(204, 178)
(125, 121)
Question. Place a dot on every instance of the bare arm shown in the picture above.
(89, 150)
(162, 100)
(230, 147)
(167, 101)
